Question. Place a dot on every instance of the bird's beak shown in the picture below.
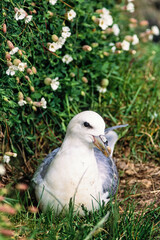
(101, 143)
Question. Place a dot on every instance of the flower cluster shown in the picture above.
(105, 22)
(130, 6)
(59, 42)
(21, 14)
(28, 100)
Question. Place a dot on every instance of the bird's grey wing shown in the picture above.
(107, 171)
(106, 165)
(42, 169)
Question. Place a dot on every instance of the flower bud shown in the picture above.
(95, 44)
(133, 52)
(7, 232)
(128, 38)
(16, 62)
(29, 71)
(103, 37)
(8, 56)
(21, 186)
(34, 70)
(27, 78)
(34, 11)
(144, 23)
(4, 14)
(106, 54)
(104, 82)
(50, 13)
(17, 79)
(20, 52)
(83, 93)
(99, 11)
(7, 209)
(32, 89)
(54, 38)
(118, 45)
(118, 51)
(72, 74)
(48, 44)
(10, 45)
(95, 20)
(34, 108)
(47, 81)
(37, 104)
(33, 209)
(33, 4)
(11, 154)
(9, 63)
(15, 9)
(29, 100)
(4, 28)
(20, 96)
(133, 20)
(84, 79)
(87, 48)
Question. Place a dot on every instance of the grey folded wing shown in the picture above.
(107, 171)
(42, 169)
(106, 165)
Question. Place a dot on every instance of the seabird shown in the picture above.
(82, 169)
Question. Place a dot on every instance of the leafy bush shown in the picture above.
(40, 90)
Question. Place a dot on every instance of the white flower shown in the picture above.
(105, 11)
(43, 103)
(125, 45)
(113, 47)
(22, 102)
(154, 115)
(101, 89)
(53, 47)
(21, 66)
(105, 22)
(14, 50)
(130, 7)
(6, 159)
(116, 29)
(150, 37)
(71, 14)
(60, 42)
(55, 84)
(66, 32)
(53, 2)
(2, 169)
(12, 70)
(20, 14)
(14, 155)
(67, 59)
(28, 18)
(66, 29)
(135, 39)
(155, 30)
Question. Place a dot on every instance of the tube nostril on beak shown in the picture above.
(104, 139)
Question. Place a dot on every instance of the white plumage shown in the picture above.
(78, 169)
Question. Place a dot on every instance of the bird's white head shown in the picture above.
(88, 127)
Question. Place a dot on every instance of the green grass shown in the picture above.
(118, 220)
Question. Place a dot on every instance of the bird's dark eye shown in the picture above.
(86, 124)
